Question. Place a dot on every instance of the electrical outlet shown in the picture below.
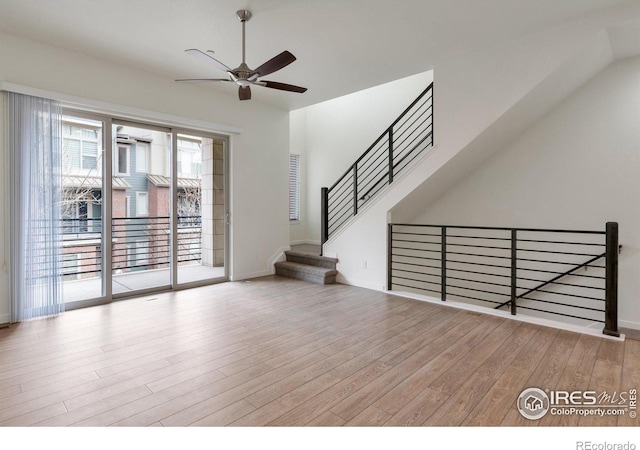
(364, 265)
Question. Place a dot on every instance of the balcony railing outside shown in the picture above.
(82, 248)
(139, 243)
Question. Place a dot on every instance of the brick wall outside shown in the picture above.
(159, 201)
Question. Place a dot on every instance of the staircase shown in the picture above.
(394, 151)
(303, 266)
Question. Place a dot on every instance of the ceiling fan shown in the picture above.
(242, 75)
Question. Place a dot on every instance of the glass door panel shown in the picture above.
(81, 208)
(141, 209)
(201, 208)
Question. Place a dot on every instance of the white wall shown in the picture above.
(471, 93)
(333, 134)
(577, 168)
(594, 56)
(298, 146)
(259, 154)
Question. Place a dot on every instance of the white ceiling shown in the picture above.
(342, 46)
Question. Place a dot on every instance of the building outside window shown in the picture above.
(142, 157)
(81, 145)
(122, 160)
(142, 204)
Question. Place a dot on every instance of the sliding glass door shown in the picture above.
(137, 215)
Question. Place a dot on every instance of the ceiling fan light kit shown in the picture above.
(244, 76)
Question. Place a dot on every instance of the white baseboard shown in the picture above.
(249, 275)
(359, 283)
(507, 315)
(628, 324)
(307, 242)
(4, 318)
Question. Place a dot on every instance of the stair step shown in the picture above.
(314, 274)
(311, 260)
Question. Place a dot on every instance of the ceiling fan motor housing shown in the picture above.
(243, 15)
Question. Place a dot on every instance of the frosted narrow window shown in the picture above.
(294, 187)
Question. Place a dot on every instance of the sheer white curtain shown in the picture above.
(35, 149)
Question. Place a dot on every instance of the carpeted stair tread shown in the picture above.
(306, 268)
(311, 260)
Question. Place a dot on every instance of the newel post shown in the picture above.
(389, 256)
(324, 216)
(514, 271)
(443, 264)
(611, 284)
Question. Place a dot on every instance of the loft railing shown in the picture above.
(407, 137)
(555, 279)
(547, 272)
(139, 243)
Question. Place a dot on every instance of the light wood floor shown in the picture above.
(275, 351)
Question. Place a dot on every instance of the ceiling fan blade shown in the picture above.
(208, 58)
(203, 79)
(244, 93)
(276, 63)
(282, 86)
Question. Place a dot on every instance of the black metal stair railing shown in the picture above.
(407, 137)
(516, 267)
(555, 279)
